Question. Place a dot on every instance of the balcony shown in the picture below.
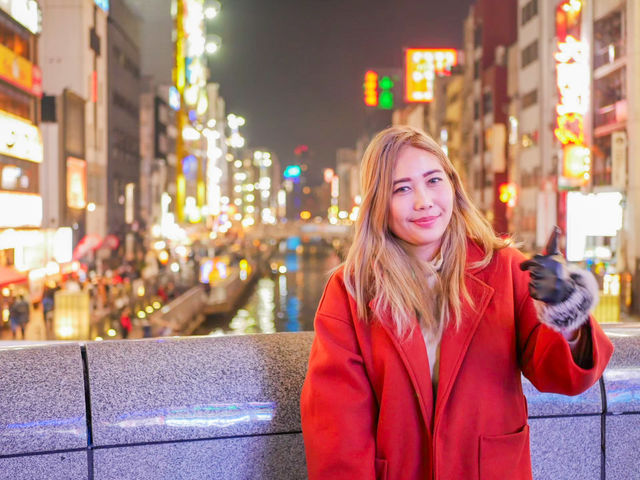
(610, 117)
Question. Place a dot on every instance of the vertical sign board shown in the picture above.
(573, 77)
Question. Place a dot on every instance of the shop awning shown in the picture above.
(9, 275)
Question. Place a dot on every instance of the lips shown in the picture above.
(425, 222)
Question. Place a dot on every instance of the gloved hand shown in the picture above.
(550, 280)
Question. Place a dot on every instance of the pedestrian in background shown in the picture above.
(19, 316)
(47, 308)
(125, 322)
(423, 333)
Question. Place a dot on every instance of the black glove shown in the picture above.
(550, 281)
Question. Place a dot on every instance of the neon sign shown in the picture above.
(572, 75)
(421, 67)
(26, 12)
(20, 138)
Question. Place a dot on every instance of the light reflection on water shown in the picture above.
(258, 317)
(280, 302)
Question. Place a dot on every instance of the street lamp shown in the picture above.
(211, 9)
(212, 43)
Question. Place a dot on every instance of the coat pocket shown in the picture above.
(505, 456)
(381, 469)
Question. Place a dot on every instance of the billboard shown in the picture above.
(421, 67)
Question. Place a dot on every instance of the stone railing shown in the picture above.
(228, 408)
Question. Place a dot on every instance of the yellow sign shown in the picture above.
(18, 71)
(422, 65)
(20, 138)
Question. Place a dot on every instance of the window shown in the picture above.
(601, 167)
(477, 36)
(15, 101)
(529, 11)
(530, 53)
(476, 110)
(530, 98)
(608, 39)
(610, 95)
(15, 38)
(476, 69)
(487, 102)
(476, 144)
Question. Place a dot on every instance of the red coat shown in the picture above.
(367, 403)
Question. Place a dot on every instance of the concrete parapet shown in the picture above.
(228, 408)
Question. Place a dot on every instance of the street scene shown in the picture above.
(319, 240)
(132, 182)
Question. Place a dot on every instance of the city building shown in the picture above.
(73, 55)
(348, 172)
(123, 113)
(445, 115)
(157, 157)
(571, 135)
(22, 249)
(490, 29)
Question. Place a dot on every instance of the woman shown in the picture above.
(422, 334)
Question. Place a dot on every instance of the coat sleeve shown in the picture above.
(544, 354)
(338, 406)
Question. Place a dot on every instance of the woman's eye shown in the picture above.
(435, 180)
(401, 189)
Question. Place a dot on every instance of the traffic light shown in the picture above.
(381, 88)
(371, 88)
(385, 99)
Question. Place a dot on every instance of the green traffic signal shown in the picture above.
(385, 83)
(385, 99)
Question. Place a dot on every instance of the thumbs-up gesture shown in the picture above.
(550, 280)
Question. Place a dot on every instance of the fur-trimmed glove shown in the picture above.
(565, 295)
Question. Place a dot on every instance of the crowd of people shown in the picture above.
(113, 300)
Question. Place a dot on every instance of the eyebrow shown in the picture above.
(424, 175)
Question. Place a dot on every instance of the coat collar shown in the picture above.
(453, 346)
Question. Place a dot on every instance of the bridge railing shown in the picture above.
(228, 408)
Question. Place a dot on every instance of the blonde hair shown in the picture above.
(379, 268)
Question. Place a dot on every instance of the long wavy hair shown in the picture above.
(379, 268)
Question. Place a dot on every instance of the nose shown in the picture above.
(422, 199)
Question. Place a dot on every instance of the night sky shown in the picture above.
(294, 68)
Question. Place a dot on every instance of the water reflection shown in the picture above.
(285, 300)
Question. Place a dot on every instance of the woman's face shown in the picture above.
(421, 201)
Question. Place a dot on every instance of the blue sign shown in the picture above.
(292, 171)
(190, 167)
(102, 4)
(174, 98)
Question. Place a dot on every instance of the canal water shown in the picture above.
(280, 302)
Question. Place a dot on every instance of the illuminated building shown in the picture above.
(445, 115)
(217, 166)
(190, 79)
(76, 130)
(157, 152)
(122, 49)
(267, 185)
(348, 173)
(21, 149)
(489, 31)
